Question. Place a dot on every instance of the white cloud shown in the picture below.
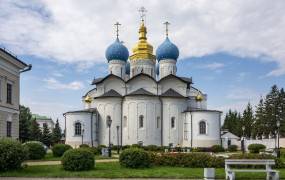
(75, 31)
(213, 66)
(52, 83)
(243, 94)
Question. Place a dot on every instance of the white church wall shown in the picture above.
(109, 107)
(85, 120)
(173, 83)
(115, 84)
(144, 82)
(173, 108)
(166, 67)
(212, 135)
(145, 66)
(150, 109)
(117, 67)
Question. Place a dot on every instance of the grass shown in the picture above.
(114, 170)
(49, 157)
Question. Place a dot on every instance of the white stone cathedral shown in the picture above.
(143, 101)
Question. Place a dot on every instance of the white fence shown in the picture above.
(269, 143)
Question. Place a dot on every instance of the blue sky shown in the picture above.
(234, 50)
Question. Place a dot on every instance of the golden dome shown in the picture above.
(142, 50)
(88, 99)
(199, 97)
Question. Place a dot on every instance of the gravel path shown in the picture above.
(36, 163)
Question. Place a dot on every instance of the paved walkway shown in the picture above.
(36, 163)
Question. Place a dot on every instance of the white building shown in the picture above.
(146, 101)
(41, 120)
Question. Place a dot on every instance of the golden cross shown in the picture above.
(117, 28)
(166, 27)
(142, 11)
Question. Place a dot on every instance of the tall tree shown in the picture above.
(56, 133)
(259, 126)
(248, 120)
(282, 117)
(46, 135)
(272, 110)
(232, 122)
(35, 131)
(24, 123)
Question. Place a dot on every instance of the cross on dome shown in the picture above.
(117, 24)
(166, 27)
(142, 12)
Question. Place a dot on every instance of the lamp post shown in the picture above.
(82, 134)
(109, 123)
(242, 140)
(118, 142)
(278, 136)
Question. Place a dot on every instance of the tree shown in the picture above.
(56, 133)
(232, 122)
(282, 118)
(46, 135)
(35, 131)
(260, 120)
(248, 120)
(24, 123)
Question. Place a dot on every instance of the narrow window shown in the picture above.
(9, 93)
(141, 121)
(125, 123)
(78, 129)
(202, 127)
(9, 129)
(158, 122)
(173, 122)
(108, 121)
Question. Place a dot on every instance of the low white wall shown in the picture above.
(269, 143)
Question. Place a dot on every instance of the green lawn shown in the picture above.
(49, 157)
(114, 170)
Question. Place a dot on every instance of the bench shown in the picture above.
(267, 163)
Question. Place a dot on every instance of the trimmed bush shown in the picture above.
(12, 154)
(135, 158)
(232, 148)
(84, 146)
(278, 162)
(59, 149)
(256, 148)
(193, 160)
(126, 147)
(217, 148)
(153, 148)
(201, 149)
(78, 160)
(36, 150)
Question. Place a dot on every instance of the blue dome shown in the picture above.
(117, 51)
(128, 68)
(167, 50)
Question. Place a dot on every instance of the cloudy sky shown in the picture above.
(233, 49)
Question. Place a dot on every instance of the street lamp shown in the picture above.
(109, 123)
(278, 136)
(242, 140)
(118, 141)
(82, 133)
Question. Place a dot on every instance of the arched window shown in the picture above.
(108, 121)
(141, 121)
(157, 122)
(202, 127)
(77, 129)
(172, 122)
(125, 122)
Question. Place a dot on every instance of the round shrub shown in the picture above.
(232, 148)
(12, 154)
(84, 146)
(59, 149)
(217, 148)
(36, 150)
(135, 158)
(256, 148)
(78, 160)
